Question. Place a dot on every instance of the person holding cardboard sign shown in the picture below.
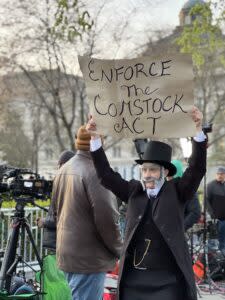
(155, 262)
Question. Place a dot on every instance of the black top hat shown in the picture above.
(159, 153)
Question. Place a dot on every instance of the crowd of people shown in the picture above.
(90, 233)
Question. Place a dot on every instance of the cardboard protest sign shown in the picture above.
(142, 97)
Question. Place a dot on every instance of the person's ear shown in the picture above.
(166, 172)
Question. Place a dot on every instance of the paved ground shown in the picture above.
(215, 294)
(211, 297)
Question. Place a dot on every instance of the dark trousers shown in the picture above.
(221, 236)
(151, 285)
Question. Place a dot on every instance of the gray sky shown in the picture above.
(142, 17)
(159, 12)
(164, 12)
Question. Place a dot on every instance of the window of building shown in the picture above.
(134, 151)
(187, 20)
(116, 151)
(49, 153)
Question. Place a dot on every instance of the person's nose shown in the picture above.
(149, 173)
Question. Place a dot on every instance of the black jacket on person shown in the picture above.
(216, 199)
(192, 212)
(167, 210)
(49, 232)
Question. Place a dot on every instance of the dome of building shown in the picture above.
(184, 15)
(191, 3)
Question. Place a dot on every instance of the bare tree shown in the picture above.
(206, 42)
(14, 144)
(54, 94)
(52, 88)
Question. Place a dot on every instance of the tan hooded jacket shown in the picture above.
(88, 237)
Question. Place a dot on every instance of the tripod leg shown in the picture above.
(198, 291)
(192, 247)
(27, 227)
(9, 256)
(13, 266)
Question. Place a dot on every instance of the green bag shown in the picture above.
(53, 282)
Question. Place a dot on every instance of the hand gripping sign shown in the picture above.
(142, 97)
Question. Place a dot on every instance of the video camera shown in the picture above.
(23, 182)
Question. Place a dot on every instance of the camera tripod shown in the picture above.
(208, 267)
(10, 259)
(211, 262)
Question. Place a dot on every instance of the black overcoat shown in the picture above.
(168, 207)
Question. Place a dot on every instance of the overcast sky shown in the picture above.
(162, 13)
(159, 12)
(143, 17)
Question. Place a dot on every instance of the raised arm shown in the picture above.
(189, 182)
(109, 178)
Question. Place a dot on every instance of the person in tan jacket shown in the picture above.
(49, 222)
(88, 235)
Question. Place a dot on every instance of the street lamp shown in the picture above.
(140, 145)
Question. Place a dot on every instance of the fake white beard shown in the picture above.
(157, 182)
